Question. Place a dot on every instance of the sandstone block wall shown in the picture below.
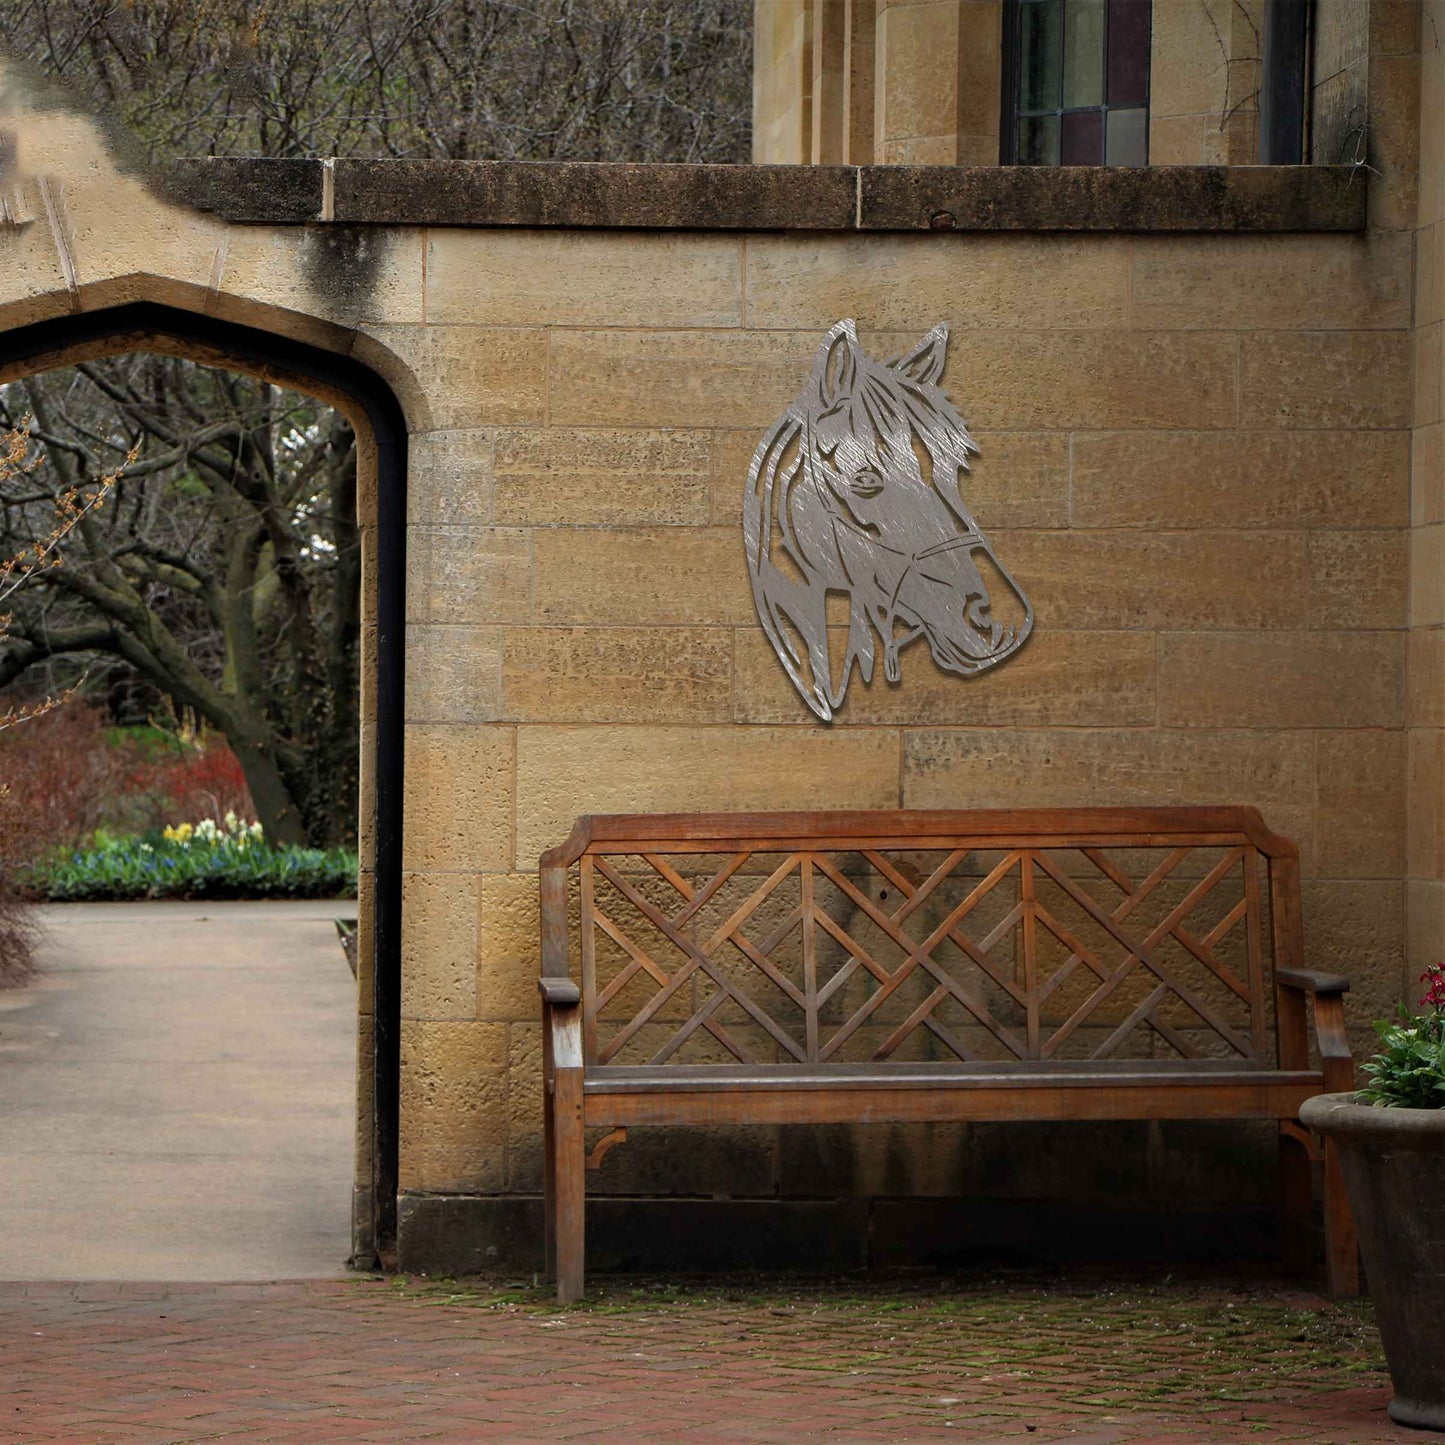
(1196, 460)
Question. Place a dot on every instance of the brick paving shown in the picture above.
(1005, 1358)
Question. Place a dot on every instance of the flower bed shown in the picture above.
(195, 860)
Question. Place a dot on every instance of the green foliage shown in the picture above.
(154, 866)
(1409, 1070)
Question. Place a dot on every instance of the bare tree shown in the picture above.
(628, 80)
(225, 567)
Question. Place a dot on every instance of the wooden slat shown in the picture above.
(591, 1004)
(1053, 827)
(1255, 954)
(810, 962)
(1271, 1096)
(1027, 901)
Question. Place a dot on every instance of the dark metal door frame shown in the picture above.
(248, 347)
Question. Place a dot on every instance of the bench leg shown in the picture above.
(1296, 1205)
(1342, 1252)
(567, 1185)
(549, 1174)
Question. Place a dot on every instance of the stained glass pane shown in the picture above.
(1041, 33)
(1127, 138)
(1083, 54)
(1082, 139)
(1129, 52)
(1039, 140)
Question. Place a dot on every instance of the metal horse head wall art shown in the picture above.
(856, 492)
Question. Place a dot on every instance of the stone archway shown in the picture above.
(381, 429)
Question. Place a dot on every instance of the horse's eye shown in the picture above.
(866, 482)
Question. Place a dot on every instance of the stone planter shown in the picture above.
(1394, 1167)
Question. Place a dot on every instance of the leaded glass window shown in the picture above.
(1078, 91)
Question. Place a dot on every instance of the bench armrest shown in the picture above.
(559, 992)
(1311, 980)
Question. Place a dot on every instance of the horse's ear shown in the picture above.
(925, 362)
(836, 364)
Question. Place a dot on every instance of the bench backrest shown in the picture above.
(841, 937)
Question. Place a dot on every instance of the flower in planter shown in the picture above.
(1409, 1070)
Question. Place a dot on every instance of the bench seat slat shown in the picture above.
(1257, 1095)
(1087, 1073)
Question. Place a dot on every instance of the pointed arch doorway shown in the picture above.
(371, 406)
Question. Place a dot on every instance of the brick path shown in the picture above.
(974, 1360)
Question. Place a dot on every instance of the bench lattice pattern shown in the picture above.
(968, 954)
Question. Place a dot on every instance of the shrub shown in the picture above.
(69, 774)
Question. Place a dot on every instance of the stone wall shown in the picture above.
(1196, 457)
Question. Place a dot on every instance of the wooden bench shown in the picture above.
(1100, 963)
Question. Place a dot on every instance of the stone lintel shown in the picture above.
(603, 195)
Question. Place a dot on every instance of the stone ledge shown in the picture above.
(1103, 198)
(588, 195)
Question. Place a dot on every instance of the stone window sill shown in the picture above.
(775, 198)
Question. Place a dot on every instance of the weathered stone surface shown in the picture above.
(1327, 379)
(585, 194)
(582, 278)
(897, 283)
(563, 772)
(562, 476)
(450, 477)
(508, 955)
(1265, 283)
(1425, 827)
(453, 1106)
(1172, 480)
(1427, 576)
(669, 576)
(1425, 681)
(277, 190)
(458, 806)
(439, 946)
(1100, 380)
(676, 378)
(468, 575)
(453, 674)
(618, 674)
(731, 456)
(1424, 930)
(1358, 579)
(349, 275)
(1282, 679)
(1019, 479)
(1099, 198)
(1427, 474)
(463, 377)
(524, 1108)
(1429, 371)
(1159, 579)
(984, 768)
(1358, 929)
(1361, 805)
(1079, 679)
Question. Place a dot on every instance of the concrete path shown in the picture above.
(176, 1095)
